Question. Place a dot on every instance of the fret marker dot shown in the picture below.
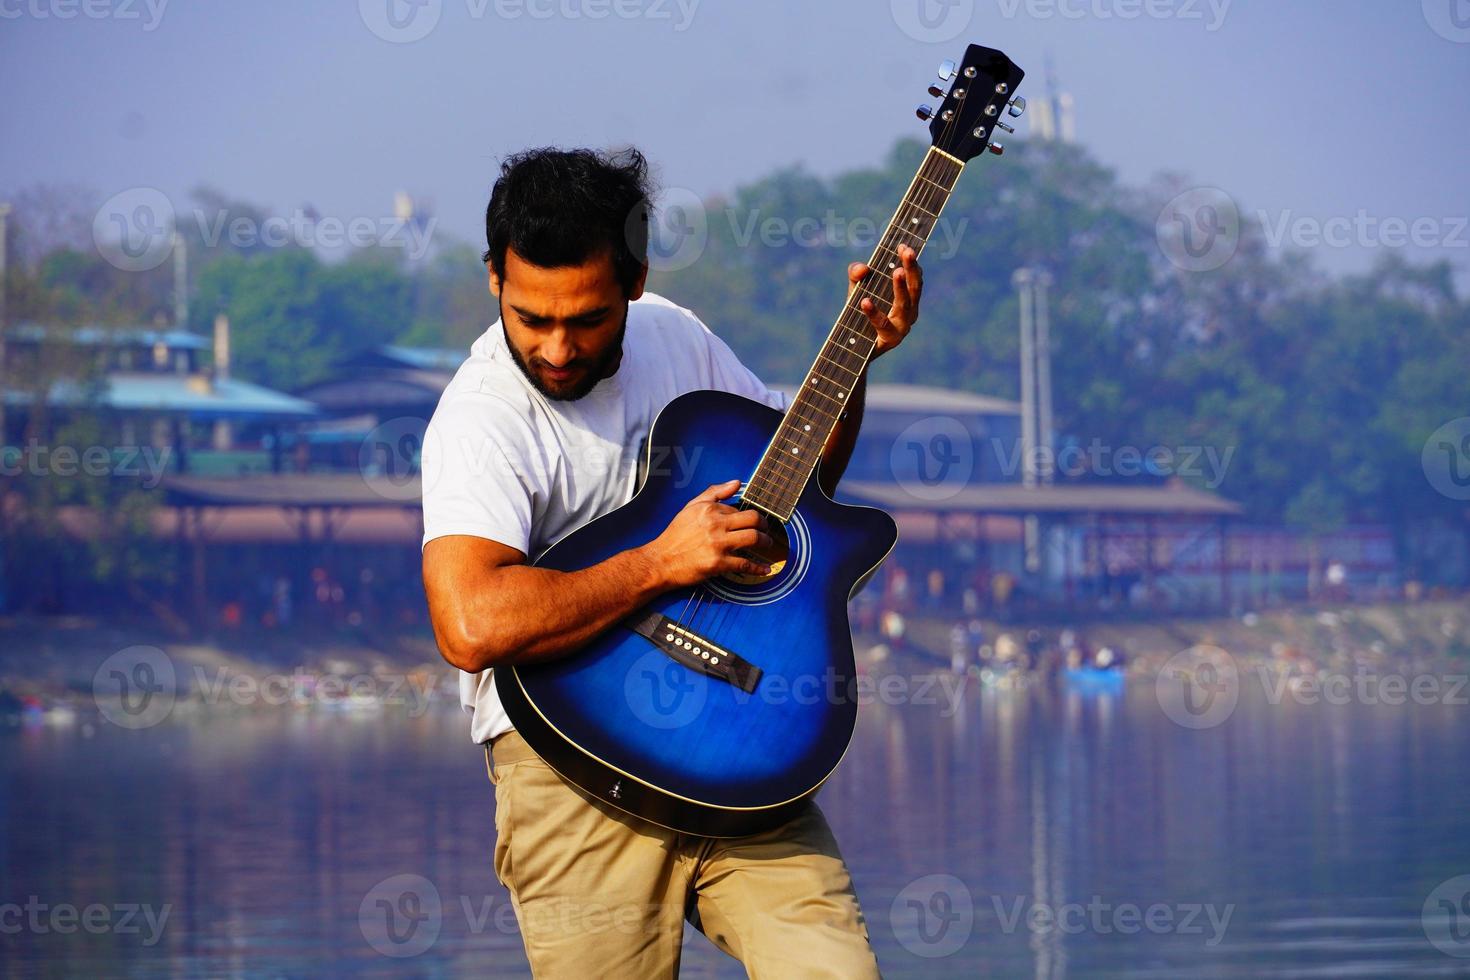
(841, 394)
(808, 428)
(796, 450)
(852, 340)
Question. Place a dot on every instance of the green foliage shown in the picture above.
(1320, 393)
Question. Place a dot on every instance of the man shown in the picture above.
(538, 433)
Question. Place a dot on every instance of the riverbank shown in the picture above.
(1401, 636)
(56, 667)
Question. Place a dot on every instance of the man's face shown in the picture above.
(564, 326)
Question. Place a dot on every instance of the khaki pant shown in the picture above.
(599, 893)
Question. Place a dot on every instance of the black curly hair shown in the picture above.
(562, 207)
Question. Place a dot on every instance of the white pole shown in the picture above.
(4, 323)
(1043, 377)
(181, 284)
(1024, 280)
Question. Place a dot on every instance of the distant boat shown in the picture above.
(1093, 680)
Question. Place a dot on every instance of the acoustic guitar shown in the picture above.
(718, 709)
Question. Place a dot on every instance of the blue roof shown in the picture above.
(426, 358)
(190, 394)
(97, 335)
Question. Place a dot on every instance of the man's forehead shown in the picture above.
(562, 291)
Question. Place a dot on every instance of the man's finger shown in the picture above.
(719, 491)
(875, 316)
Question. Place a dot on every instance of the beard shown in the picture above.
(594, 368)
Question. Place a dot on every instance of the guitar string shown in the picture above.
(924, 191)
(937, 192)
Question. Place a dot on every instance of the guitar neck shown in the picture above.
(793, 453)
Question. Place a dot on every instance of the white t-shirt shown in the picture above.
(503, 462)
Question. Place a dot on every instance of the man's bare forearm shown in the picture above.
(525, 614)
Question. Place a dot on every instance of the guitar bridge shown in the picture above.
(694, 651)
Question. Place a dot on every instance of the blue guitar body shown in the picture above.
(640, 728)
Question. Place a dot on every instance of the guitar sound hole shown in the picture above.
(776, 555)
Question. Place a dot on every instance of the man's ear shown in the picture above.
(494, 280)
(637, 289)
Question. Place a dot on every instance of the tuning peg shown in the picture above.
(1001, 125)
(996, 148)
(946, 70)
(924, 112)
(936, 91)
(1018, 106)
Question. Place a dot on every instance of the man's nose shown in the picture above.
(558, 350)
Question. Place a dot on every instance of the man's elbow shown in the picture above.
(469, 649)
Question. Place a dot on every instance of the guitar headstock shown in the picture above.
(981, 95)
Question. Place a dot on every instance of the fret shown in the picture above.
(848, 363)
(877, 297)
(783, 474)
(839, 365)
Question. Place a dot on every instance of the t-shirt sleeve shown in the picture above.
(480, 474)
(727, 373)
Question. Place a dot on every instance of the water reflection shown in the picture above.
(1026, 833)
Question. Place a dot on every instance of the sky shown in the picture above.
(1304, 112)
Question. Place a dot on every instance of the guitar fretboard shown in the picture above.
(793, 453)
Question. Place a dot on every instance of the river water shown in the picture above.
(1021, 833)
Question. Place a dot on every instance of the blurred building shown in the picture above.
(167, 389)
